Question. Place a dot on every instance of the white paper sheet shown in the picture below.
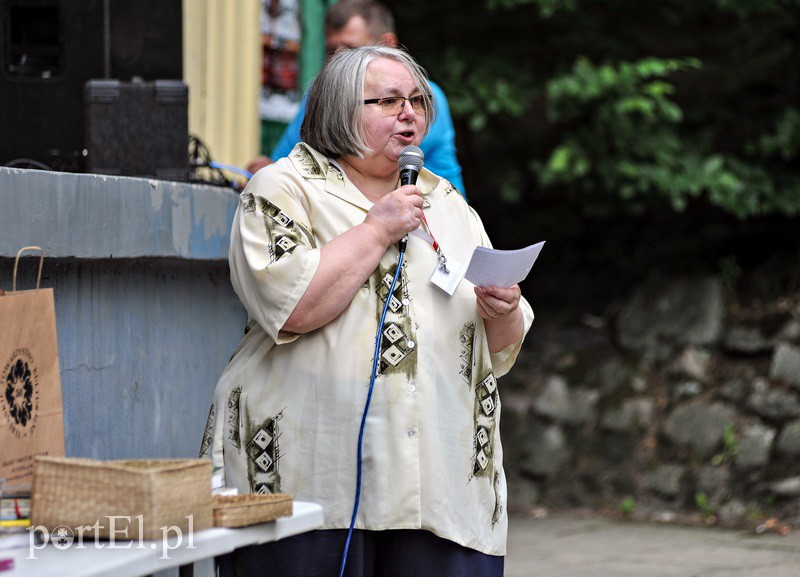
(503, 268)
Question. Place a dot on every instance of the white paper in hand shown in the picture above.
(503, 268)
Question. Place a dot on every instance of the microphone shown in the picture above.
(410, 163)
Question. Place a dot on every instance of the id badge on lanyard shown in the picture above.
(448, 272)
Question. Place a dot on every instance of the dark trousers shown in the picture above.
(394, 553)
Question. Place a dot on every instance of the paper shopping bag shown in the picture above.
(31, 411)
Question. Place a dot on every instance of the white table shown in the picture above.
(148, 557)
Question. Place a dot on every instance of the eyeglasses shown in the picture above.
(392, 105)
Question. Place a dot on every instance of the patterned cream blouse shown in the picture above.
(287, 409)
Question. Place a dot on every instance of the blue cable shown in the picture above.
(369, 398)
(235, 169)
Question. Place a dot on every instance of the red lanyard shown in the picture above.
(428, 237)
(430, 233)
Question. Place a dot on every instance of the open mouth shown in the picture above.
(407, 134)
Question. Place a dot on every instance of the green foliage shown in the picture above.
(486, 90)
(784, 142)
(702, 502)
(627, 506)
(604, 105)
(730, 447)
(619, 91)
(753, 190)
(621, 137)
(623, 141)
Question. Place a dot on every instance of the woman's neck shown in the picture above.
(372, 185)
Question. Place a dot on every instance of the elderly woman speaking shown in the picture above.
(314, 258)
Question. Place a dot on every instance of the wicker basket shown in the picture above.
(122, 499)
(244, 510)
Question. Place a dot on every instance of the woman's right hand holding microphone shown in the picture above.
(396, 214)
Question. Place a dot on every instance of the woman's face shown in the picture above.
(387, 135)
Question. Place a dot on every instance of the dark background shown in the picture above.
(716, 186)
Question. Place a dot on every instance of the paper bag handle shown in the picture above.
(16, 262)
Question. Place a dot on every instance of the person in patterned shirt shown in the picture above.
(314, 250)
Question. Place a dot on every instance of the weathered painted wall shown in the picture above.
(145, 314)
(102, 217)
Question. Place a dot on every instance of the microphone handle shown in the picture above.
(408, 176)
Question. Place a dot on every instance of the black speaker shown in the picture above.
(137, 128)
(49, 49)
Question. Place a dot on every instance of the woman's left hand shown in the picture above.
(502, 317)
(497, 302)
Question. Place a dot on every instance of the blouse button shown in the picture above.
(412, 388)
(411, 433)
(411, 344)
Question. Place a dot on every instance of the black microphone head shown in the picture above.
(411, 158)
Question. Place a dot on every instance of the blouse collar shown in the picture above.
(314, 165)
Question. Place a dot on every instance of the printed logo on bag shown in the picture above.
(20, 398)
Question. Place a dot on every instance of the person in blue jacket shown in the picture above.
(352, 23)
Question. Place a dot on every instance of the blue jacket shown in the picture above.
(439, 144)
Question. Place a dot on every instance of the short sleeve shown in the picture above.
(273, 254)
(502, 361)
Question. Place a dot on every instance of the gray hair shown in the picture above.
(334, 119)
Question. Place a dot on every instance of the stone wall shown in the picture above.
(677, 404)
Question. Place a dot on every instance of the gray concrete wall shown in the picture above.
(145, 314)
